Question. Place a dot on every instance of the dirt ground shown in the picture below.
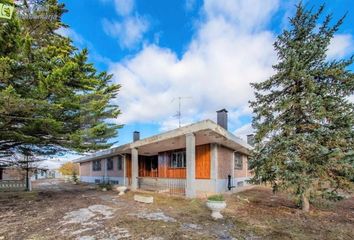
(58, 210)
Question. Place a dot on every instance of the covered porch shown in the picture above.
(163, 173)
(180, 161)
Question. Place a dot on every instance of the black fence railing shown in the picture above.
(172, 186)
(12, 185)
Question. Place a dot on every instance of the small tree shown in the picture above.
(69, 168)
(303, 119)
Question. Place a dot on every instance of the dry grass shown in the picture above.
(253, 214)
(276, 216)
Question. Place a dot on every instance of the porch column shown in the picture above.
(214, 165)
(190, 162)
(124, 162)
(135, 169)
(105, 170)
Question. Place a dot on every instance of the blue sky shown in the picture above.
(208, 51)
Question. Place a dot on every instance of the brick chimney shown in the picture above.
(136, 136)
(222, 118)
(250, 139)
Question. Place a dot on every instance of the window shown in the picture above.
(96, 165)
(238, 161)
(109, 164)
(120, 163)
(178, 160)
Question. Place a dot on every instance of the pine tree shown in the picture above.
(51, 98)
(303, 119)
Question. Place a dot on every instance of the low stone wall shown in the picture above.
(100, 179)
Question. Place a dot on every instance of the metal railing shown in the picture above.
(12, 185)
(172, 186)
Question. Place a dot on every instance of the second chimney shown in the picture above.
(250, 139)
(136, 136)
(222, 118)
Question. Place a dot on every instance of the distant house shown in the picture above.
(40, 173)
(17, 173)
(199, 159)
(12, 173)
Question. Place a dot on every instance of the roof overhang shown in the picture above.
(205, 131)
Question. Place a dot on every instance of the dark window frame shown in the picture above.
(110, 164)
(238, 161)
(120, 163)
(96, 165)
(178, 159)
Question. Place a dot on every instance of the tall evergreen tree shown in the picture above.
(51, 98)
(303, 119)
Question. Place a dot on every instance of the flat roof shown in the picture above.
(212, 132)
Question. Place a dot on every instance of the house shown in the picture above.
(13, 178)
(196, 160)
(14, 173)
(40, 173)
(11, 173)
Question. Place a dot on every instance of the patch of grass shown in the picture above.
(19, 195)
(107, 186)
(216, 198)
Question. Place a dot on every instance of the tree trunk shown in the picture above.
(27, 177)
(305, 203)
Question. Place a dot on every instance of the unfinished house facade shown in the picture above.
(195, 160)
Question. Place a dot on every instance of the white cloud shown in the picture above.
(230, 50)
(70, 33)
(351, 99)
(243, 131)
(129, 32)
(190, 4)
(81, 42)
(124, 7)
(56, 162)
(248, 15)
(341, 45)
(130, 29)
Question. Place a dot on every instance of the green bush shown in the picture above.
(218, 198)
(107, 186)
(74, 177)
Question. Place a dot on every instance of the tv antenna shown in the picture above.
(179, 112)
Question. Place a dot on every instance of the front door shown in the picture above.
(154, 166)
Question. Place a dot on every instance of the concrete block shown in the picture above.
(143, 199)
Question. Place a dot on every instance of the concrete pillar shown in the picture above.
(190, 162)
(214, 165)
(135, 169)
(245, 161)
(233, 166)
(105, 169)
(124, 169)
